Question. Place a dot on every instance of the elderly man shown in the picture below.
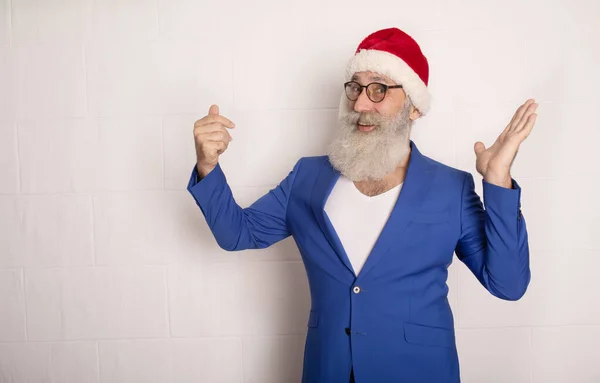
(377, 223)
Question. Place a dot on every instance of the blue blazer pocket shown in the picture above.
(428, 335)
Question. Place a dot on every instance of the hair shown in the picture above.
(371, 156)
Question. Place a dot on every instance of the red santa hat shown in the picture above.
(395, 54)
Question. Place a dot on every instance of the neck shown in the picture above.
(388, 182)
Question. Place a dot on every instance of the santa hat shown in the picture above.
(395, 54)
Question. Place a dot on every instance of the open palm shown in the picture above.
(494, 163)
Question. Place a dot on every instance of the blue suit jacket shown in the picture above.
(392, 322)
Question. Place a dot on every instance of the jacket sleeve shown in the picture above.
(234, 228)
(494, 242)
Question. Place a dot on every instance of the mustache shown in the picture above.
(366, 118)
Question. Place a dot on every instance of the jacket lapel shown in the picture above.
(418, 180)
(419, 176)
(324, 184)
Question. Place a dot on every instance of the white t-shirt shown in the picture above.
(358, 219)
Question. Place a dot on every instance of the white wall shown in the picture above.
(108, 272)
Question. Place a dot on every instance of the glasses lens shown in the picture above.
(376, 92)
(353, 90)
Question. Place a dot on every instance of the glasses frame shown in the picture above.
(362, 87)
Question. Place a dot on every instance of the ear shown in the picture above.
(414, 113)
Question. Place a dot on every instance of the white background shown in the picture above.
(108, 272)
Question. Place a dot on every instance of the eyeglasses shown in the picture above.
(375, 90)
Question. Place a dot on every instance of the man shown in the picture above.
(377, 223)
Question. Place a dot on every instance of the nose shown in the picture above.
(363, 103)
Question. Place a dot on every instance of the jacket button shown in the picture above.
(347, 331)
(356, 289)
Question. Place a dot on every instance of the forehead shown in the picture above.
(371, 76)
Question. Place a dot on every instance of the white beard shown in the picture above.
(369, 156)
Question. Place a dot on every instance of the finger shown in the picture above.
(210, 148)
(524, 133)
(214, 118)
(531, 110)
(519, 114)
(218, 147)
(214, 109)
(514, 117)
(218, 136)
(479, 147)
(209, 128)
(513, 120)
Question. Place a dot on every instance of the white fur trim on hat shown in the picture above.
(394, 67)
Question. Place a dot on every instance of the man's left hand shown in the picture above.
(494, 163)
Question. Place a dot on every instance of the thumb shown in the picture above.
(214, 109)
(479, 147)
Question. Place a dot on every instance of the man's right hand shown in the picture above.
(212, 139)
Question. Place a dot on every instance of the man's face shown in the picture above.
(373, 137)
(388, 107)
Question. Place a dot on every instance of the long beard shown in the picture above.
(369, 156)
